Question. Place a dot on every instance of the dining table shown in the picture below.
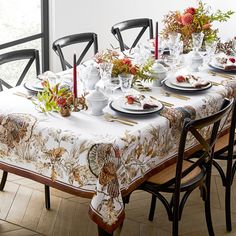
(104, 157)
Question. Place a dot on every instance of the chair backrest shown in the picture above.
(143, 23)
(25, 54)
(194, 127)
(90, 38)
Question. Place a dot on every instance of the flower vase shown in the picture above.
(65, 111)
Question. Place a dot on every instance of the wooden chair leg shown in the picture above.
(152, 208)
(228, 207)
(47, 196)
(3, 181)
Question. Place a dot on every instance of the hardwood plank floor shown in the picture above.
(23, 213)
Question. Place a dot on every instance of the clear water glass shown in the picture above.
(125, 82)
(111, 85)
(210, 50)
(197, 40)
(105, 69)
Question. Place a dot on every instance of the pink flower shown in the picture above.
(190, 10)
(187, 19)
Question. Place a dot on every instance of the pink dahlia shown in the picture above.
(187, 19)
(190, 10)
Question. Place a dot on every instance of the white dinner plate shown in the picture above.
(169, 84)
(34, 85)
(115, 105)
(220, 67)
(122, 102)
(181, 84)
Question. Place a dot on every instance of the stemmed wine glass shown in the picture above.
(197, 41)
(196, 59)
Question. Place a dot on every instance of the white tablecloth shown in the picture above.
(95, 156)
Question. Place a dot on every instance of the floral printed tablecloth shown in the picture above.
(94, 156)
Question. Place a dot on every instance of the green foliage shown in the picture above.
(47, 99)
(144, 72)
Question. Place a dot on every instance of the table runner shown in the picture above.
(99, 159)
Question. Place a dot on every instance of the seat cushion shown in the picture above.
(169, 173)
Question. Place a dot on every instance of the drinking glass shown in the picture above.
(105, 70)
(210, 51)
(125, 82)
(197, 41)
(162, 45)
(174, 38)
(111, 85)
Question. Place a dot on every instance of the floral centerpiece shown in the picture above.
(58, 98)
(194, 20)
(124, 65)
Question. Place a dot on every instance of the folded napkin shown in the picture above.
(47, 75)
(200, 83)
(229, 67)
(193, 80)
(144, 101)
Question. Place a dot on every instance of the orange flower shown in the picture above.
(61, 101)
(187, 19)
(44, 83)
(133, 70)
(127, 61)
(206, 26)
(190, 10)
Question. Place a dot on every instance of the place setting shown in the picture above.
(187, 83)
(136, 105)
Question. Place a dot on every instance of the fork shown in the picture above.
(117, 120)
(168, 94)
(227, 76)
(23, 95)
(120, 118)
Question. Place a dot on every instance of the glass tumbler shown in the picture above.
(125, 82)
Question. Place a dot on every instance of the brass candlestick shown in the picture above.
(76, 103)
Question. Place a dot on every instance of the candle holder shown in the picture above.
(76, 105)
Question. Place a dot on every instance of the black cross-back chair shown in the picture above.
(25, 54)
(225, 150)
(185, 176)
(32, 55)
(57, 46)
(143, 23)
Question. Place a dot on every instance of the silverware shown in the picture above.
(227, 76)
(168, 94)
(23, 95)
(117, 120)
(167, 104)
(215, 83)
(120, 118)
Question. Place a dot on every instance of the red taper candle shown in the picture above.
(75, 77)
(156, 42)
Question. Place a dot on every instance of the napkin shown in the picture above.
(144, 101)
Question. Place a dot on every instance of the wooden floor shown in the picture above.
(22, 213)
